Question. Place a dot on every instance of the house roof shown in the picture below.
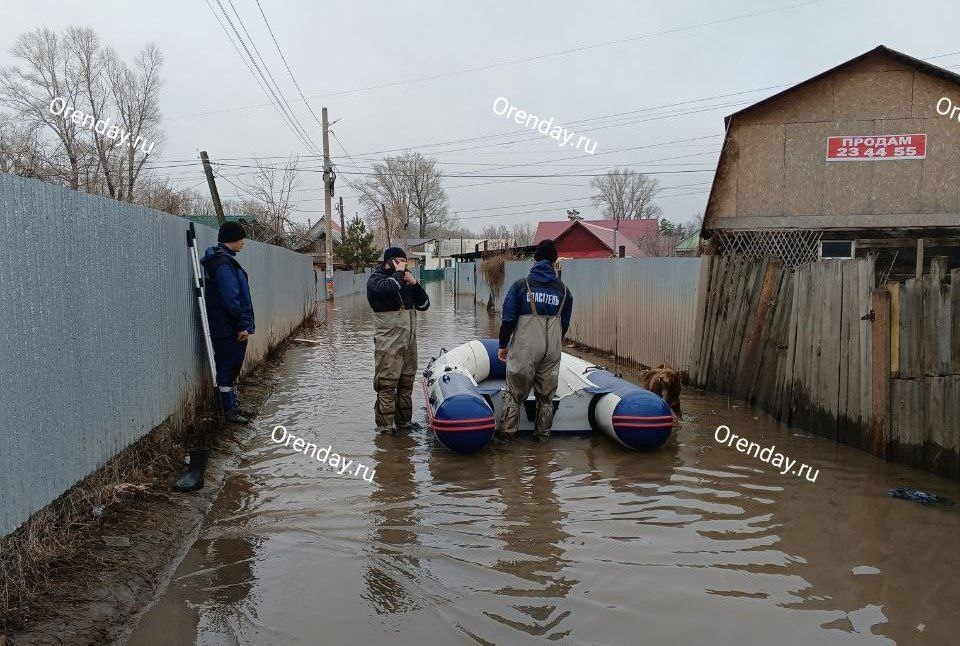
(906, 59)
(690, 243)
(419, 242)
(631, 229)
(605, 236)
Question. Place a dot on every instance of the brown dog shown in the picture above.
(665, 381)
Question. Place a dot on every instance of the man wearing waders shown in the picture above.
(536, 315)
(396, 297)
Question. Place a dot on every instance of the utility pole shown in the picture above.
(343, 227)
(212, 183)
(327, 194)
(616, 226)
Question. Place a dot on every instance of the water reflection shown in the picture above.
(575, 541)
(393, 564)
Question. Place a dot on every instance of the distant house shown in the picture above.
(423, 251)
(597, 238)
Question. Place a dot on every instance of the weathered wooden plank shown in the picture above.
(937, 453)
(790, 368)
(908, 421)
(954, 339)
(751, 352)
(880, 375)
(717, 286)
(763, 379)
(846, 407)
(746, 313)
(895, 293)
(911, 328)
(703, 292)
(865, 283)
(830, 352)
(930, 342)
(784, 382)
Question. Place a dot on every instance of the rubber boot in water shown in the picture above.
(193, 478)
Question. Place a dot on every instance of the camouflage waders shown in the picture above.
(395, 369)
(533, 359)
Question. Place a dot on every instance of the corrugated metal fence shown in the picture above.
(100, 331)
(641, 309)
(348, 282)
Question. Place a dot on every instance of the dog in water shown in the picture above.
(665, 381)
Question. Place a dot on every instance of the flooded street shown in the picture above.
(575, 541)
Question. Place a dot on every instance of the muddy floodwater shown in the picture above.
(576, 541)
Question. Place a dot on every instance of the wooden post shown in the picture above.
(919, 268)
(212, 183)
(894, 289)
(880, 385)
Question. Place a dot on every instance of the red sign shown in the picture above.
(876, 147)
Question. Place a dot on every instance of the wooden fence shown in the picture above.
(820, 348)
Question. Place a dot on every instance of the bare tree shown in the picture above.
(402, 188)
(626, 194)
(386, 200)
(272, 190)
(522, 235)
(136, 94)
(75, 69)
(45, 71)
(425, 187)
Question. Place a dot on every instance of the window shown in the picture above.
(837, 248)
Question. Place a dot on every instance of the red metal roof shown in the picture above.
(630, 229)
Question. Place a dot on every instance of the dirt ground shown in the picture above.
(122, 561)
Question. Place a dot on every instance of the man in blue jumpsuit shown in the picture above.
(536, 315)
(230, 311)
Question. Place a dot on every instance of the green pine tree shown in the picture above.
(356, 248)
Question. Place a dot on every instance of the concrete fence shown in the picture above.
(101, 334)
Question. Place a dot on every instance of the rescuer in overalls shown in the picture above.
(396, 297)
(536, 315)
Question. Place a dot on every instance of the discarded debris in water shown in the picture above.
(922, 497)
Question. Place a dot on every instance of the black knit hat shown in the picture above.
(545, 250)
(393, 252)
(231, 232)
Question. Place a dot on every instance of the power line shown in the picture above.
(529, 59)
(258, 76)
(272, 78)
(320, 170)
(284, 58)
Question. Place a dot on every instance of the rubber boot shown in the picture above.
(193, 478)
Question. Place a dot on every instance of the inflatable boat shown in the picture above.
(464, 392)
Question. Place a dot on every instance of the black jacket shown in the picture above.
(386, 292)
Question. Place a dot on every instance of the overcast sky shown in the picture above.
(664, 64)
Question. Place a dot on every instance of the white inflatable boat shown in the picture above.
(464, 391)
